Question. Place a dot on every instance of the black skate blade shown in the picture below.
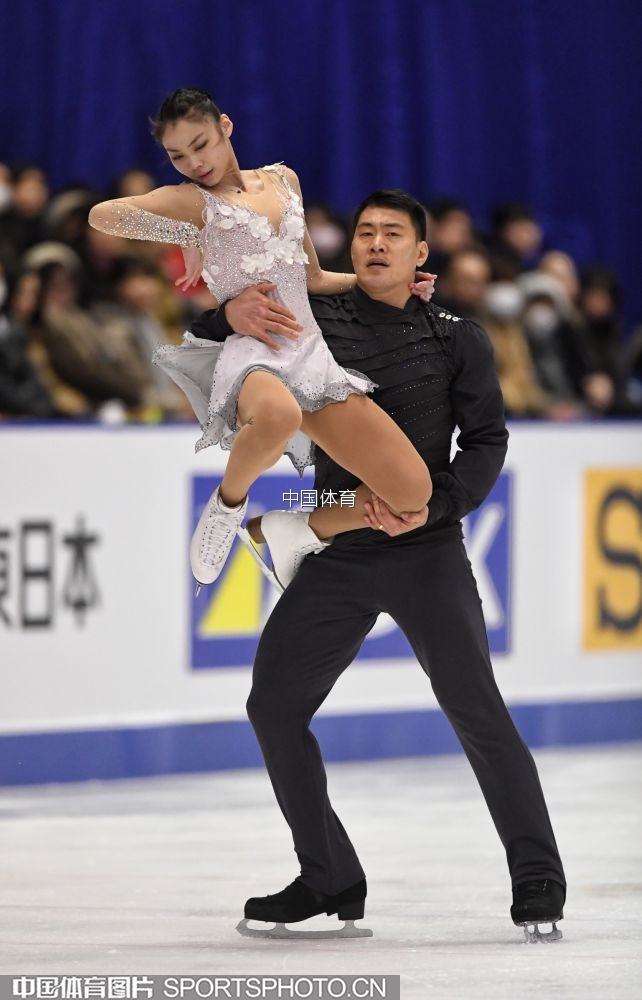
(281, 932)
(535, 936)
(246, 538)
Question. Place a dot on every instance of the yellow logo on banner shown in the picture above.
(235, 608)
(613, 559)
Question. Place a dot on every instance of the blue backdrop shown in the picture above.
(537, 100)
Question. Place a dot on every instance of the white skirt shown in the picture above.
(211, 374)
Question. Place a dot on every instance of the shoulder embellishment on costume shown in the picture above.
(278, 167)
(444, 315)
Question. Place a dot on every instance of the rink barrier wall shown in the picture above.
(111, 668)
(37, 758)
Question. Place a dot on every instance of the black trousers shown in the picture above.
(427, 585)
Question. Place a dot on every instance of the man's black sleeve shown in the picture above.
(478, 411)
(212, 325)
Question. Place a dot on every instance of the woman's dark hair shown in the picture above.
(133, 267)
(510, 211)
(439, 208)
(18, 170)
(187, 102)
(47, 274)
(597, 276)
(402, 201)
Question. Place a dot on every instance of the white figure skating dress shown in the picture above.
(240, 248)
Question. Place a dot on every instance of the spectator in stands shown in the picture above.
(66, 218)
(632, 366)
(560, 266)
(132, 182)
(6, 195)
(564, 364)
(21, 391)
(450, 230)
(22, 222)
(29, 383)
(523, 394)
(138, 292)
(516, 239)
(101, 367)
(463, 284)
(595, 303)
(599, 302)
(329, 235)
(101, 253)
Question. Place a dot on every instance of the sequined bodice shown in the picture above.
(242, 248)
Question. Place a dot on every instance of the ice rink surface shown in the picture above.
(150, 877)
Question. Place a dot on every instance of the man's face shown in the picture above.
(386, 250)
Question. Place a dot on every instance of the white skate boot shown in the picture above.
(289, 537)
(213, 538)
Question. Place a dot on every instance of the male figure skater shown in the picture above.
(435, 371)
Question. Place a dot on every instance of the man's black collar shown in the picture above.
(373, 310)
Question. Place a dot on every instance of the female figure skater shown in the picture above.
(237, 227)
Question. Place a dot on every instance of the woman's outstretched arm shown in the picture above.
(170, 214)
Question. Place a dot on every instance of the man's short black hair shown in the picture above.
(402, 201)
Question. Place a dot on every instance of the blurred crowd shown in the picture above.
(81, 312)
(560, 350)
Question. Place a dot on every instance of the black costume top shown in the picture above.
(434, 371)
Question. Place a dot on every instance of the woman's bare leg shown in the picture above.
(268, 415)
(364, 440)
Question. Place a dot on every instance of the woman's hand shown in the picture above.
(423, 285)
(193, 257)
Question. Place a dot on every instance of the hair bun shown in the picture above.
(186, 102)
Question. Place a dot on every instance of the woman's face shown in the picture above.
(200, 149)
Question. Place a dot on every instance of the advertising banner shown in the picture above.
(100, 631)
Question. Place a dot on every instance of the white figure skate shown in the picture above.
(290, 540)
(213, 538)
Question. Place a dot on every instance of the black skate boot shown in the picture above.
(538, 902)
(299, 902)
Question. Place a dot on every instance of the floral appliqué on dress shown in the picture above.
(285, 246)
